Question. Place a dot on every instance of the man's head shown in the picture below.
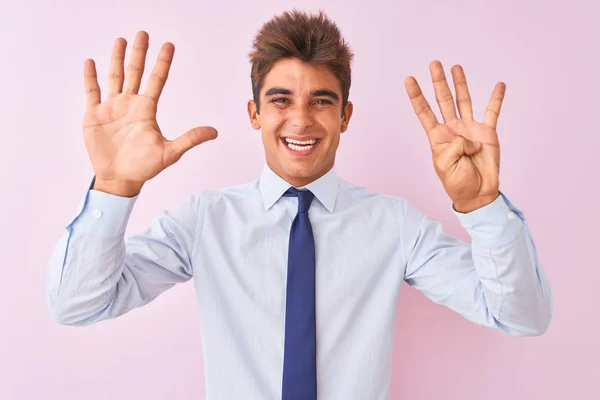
(300, 83)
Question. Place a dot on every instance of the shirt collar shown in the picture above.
(272, 187)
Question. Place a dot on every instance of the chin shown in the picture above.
(299, 171)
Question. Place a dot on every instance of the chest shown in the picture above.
(354, 249)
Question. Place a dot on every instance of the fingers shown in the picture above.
(463, 98)
(137, 62)
(90, 77)
(442, 91)
(116, 73)
(492, 112)
(159, 75)
(185, 142)
(420, 104)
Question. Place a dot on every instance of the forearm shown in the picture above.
(90, 272)
(514, 283)
(88, 259)
(96, 274)
(516, 288)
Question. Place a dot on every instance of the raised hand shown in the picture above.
(466, 153)
(122, 137)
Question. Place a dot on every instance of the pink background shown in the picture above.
(545, 51)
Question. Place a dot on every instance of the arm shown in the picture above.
(95, 274)
(496, 281)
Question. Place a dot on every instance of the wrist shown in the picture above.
(472, 205)
(118, 187)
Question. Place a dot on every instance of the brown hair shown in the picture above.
(308, 38)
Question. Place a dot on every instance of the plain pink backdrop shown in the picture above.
(545, 51)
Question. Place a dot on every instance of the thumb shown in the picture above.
(459, 147)
(177, 148)
(462, 146)
(470, 147)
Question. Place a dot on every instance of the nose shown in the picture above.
(300, 117)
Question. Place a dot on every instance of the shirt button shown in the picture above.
(512, 215)
(97, 214)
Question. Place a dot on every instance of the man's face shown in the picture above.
(303, 103)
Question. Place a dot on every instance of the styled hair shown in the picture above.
(311, 38)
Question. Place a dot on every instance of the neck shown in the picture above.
(300, 181)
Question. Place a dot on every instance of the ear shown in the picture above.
(253, 115)
(346, 117)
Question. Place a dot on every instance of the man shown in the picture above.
(297, 273)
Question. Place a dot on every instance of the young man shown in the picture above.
(297, 273)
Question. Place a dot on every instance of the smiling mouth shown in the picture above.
(300, 147)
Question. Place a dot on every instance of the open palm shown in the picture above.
(466, 153)
(122, 136)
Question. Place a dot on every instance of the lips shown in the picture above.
(300, 138)
(298, 150)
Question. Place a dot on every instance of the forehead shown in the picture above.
(301, 77)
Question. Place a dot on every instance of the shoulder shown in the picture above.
(218, 197)
(381, 207)
(368, 197)
(237, 192)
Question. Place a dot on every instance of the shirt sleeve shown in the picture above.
(94, 273)
(496, 281)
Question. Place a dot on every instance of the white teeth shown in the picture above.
(300, 148)
(313, 141)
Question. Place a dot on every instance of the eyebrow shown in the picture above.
(319, 92)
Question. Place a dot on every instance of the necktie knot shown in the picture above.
(305, 198)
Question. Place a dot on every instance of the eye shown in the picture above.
(322, 102)
(280, 100)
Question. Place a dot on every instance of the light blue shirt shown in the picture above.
(233, 242)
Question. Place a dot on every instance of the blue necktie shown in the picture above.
(300, 350)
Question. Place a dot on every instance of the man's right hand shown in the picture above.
(122, 137)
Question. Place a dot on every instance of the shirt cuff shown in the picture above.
(102, 214)
(494, 225)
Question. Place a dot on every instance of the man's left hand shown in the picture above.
(466, 153)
